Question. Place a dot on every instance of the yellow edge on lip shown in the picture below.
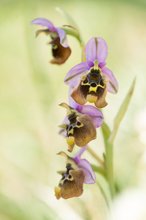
(91, 98)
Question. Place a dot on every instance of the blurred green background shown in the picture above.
(31, 89)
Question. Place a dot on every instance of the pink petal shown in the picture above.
(102, 50)
(79, 153)
(91, 50)
(95, 114)
(112, 85)
(73, 76)
(44, 22)
(63, 131)
(85, 166)
(72, 103)
(62, 36)
(96, 50)
(90, 177)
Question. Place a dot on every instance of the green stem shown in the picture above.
(108, 158)
(73, 32)
(70, 30)
(109, 168)
(99, 170)
(96, 157)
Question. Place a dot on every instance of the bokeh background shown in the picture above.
(31, 89)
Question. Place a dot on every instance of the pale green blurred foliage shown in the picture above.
(31, 89)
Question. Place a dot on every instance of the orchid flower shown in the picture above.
(79, 126)
(91, 80)
(78, 171)
(60, 49)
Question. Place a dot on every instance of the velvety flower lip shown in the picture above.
(60, 48)
(78, 171)
(96, 51)
(79, 128)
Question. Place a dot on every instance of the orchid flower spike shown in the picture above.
(60, 49)
(91, 80)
